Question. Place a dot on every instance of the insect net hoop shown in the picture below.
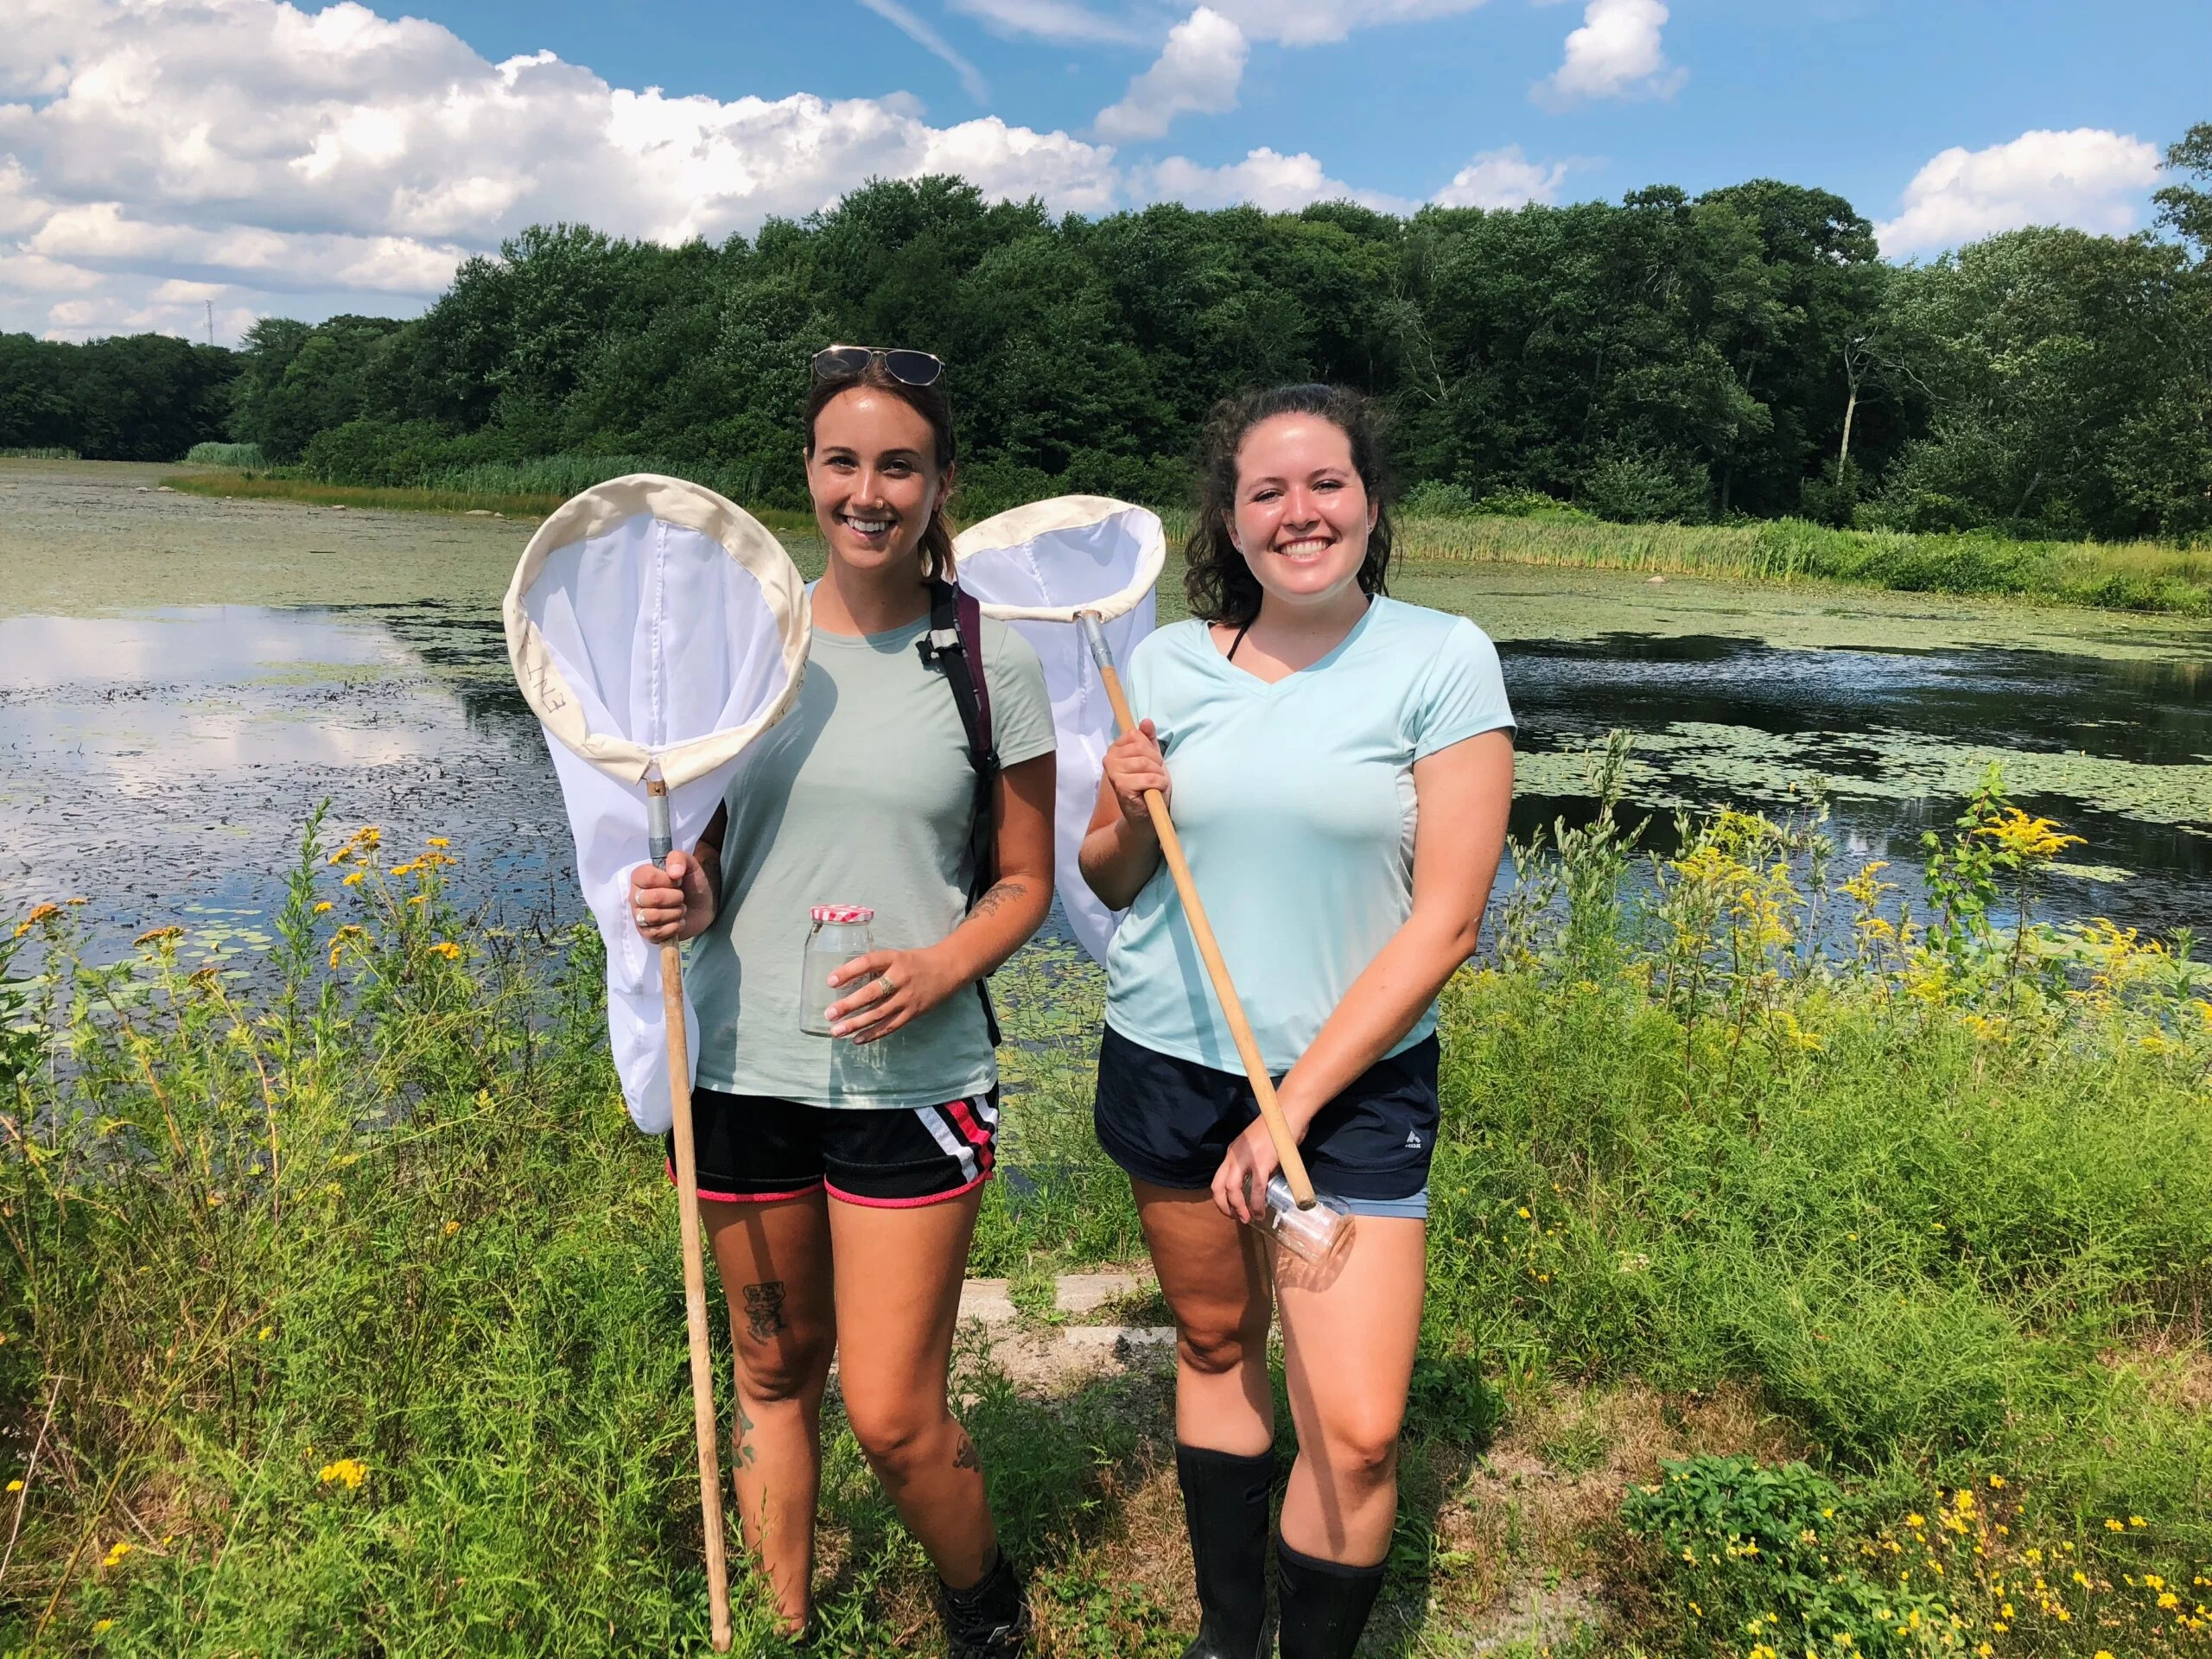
(655, 630)
(1038, 568)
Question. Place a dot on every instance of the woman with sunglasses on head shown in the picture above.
(1338, 766)
(842, 1173)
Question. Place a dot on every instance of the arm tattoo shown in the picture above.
(764, 1309)
(964, 1455)
(1000, 895)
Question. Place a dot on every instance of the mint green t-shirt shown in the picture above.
(1296, 805)
(861, 795)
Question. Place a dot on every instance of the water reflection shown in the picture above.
(2119, 750)
(160, 763)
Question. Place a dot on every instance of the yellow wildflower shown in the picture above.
(102, 1626)
(123, 1548)
(2115, 1526)
(14, 1485)
(353, 879)
(440, 842)
(446, 949)
(2028, 838)
(351, 1472)
(323, 908)
(452, 1227)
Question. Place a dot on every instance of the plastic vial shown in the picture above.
(1318, 1236)
(839, 933)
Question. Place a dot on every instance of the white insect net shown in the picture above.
(656, 629)
(1037, 567)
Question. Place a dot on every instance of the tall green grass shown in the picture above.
(226, 454)
(342, 1311)
(2141, 577)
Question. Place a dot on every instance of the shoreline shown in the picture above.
(2143, 578)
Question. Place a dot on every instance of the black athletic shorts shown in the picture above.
(1169, 1121)
(755, 1148)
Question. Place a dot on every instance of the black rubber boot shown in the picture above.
(989, 1619)
(1324, 1605)
(1225, 1506)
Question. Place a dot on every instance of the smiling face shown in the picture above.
(1302, 513)
(873, 477)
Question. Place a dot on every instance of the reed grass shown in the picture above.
(2137, 576)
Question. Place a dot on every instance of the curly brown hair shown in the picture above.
(1218, 582)
(932, 404)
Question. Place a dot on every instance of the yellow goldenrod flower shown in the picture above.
(351, 1471)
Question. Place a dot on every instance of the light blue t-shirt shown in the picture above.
(1296, 806)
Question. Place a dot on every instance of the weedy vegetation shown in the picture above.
(1808, 1277)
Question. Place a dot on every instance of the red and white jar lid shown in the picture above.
(842, 914)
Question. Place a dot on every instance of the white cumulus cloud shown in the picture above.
(2089, 178)
(1197, 72)
(305, 162)
(1265, 178)
(1503, 178)
(1617, 53)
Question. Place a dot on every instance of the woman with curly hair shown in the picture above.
(1339, 766)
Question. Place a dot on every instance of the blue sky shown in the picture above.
(173, 167)
(1850, 95)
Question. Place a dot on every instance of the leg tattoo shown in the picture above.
(964, 1455)
(764, 1309)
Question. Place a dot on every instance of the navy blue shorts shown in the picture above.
(1169, 1121)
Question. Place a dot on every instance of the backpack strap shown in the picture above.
(954, 644)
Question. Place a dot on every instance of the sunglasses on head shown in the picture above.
(913, 368)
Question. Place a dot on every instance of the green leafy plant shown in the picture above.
(1768, 1551)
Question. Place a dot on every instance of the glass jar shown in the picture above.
(839, 933)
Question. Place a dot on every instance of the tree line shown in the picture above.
(1745, 351)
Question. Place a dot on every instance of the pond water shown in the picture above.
(181, 680)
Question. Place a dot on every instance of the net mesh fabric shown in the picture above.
(656, 629)
(1036, 567)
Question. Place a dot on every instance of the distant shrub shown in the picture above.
(226, 455)
(1434, 499)
(1646, 488)
(38, 454)
(1530, 504)
(379, 454)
